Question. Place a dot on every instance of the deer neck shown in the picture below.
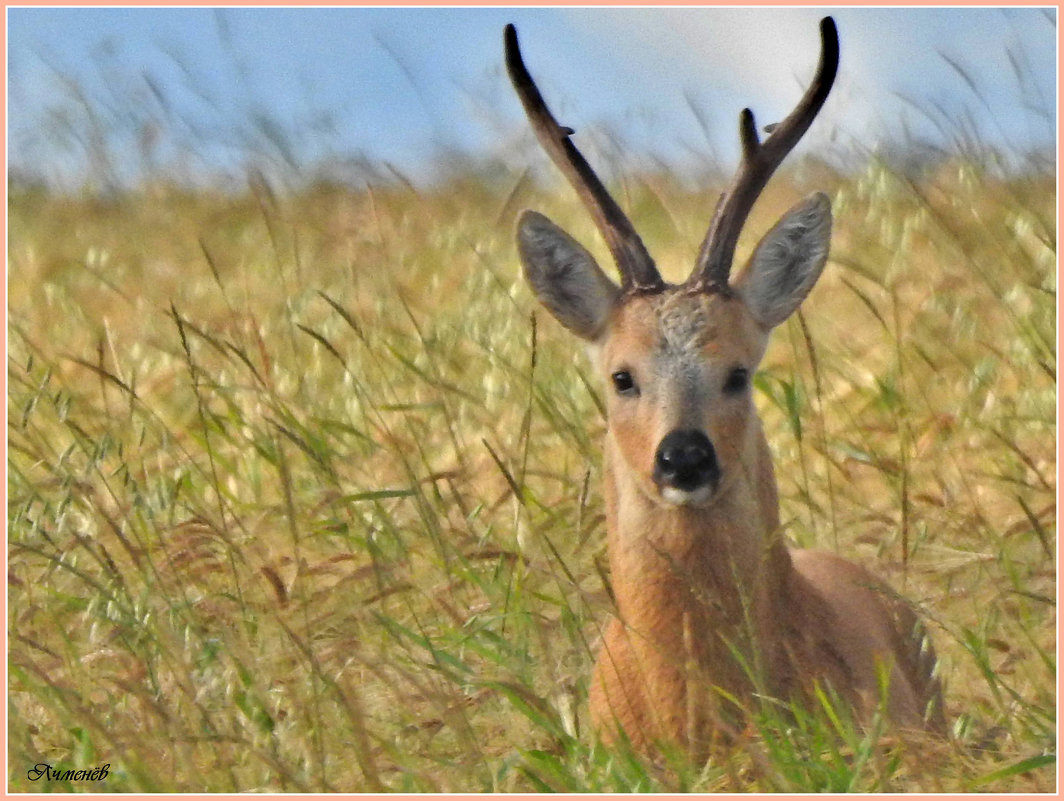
(721, 571)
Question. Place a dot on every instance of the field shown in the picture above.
(304, 488)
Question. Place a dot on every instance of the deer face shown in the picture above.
(676, 368)
(677, 362)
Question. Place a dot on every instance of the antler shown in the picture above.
(758, 163)
(637, 268)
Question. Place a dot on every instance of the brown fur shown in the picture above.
(701, 590)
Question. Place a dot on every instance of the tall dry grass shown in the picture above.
(301, 496)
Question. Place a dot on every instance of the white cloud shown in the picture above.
(895, 65)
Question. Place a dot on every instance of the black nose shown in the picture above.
(686, 460)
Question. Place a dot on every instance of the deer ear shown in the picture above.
(565, 277)
(787, 262)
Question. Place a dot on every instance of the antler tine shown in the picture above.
(637, 268)
(759, 161)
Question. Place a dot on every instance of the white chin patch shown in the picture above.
(679, 497)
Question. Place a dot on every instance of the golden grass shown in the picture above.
(301, 499)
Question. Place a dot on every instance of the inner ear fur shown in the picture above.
(787, 261)
(565, 277)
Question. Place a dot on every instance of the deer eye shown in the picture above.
(624, 383)
(737, 381)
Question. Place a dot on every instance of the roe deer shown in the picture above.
(713, 608)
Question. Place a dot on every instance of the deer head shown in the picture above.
(677, 359)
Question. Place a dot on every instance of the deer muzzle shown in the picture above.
(686, 469)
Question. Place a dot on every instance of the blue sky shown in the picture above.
(200, 88)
